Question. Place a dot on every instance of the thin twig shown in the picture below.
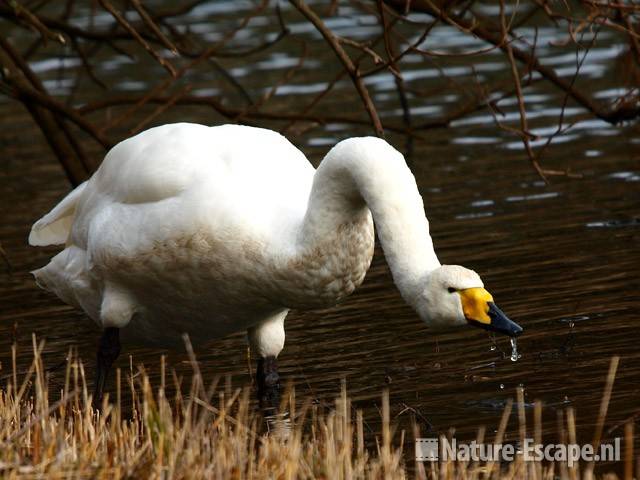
(23, 14)
(399, 81)
(488, 34)
(521, 106)
(134, 33)
(231, 112)
(153, 26)
(346, 62)
(162, 108)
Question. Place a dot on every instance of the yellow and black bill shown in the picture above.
(480, 311)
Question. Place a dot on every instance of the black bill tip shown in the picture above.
(500, 323)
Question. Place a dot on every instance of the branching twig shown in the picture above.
(148, 21)
(346, 62)
(134, 33)
(230, 112)
(400, 86)
(521, 106)
(32, 21)
(487, 34)
(21, 90)
(399, 40)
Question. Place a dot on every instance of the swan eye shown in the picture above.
(451, 290)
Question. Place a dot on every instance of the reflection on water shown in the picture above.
(278, 424)
(561, 260)
(626, 176)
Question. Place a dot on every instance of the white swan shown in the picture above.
(212, 230)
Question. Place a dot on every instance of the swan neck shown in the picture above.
(367, 174)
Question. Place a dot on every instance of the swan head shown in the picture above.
(454, 295)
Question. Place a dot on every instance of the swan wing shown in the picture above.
(179, 176)
(169, 160)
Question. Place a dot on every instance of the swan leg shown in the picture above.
(268, 381)
(108, 351)
(267, 341)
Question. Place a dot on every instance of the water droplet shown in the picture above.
(502, 386)
(514, 349)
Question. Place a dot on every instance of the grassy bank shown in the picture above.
(201, 431)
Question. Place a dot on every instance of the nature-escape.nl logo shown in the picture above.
(434, 449)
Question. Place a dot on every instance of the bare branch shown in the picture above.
(521, 106)
(153, 26)
(346, 62)
(134, 33)
(612, 116)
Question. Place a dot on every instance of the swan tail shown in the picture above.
(57, 278)
(54, 227)
(67, 277)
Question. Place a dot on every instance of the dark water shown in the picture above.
(561, 259)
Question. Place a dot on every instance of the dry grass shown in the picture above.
(209, 433)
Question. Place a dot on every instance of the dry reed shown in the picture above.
(213, 432)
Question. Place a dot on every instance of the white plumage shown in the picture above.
(211, 230)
